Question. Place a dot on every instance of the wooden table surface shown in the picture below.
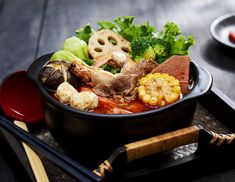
(31, 28)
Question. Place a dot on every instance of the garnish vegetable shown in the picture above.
(124, 26)
(162, 45)
(77, 46)
(149, 48)
(146, 42)
(63, 55)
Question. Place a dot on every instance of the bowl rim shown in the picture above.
(213, 25)
(72, 111)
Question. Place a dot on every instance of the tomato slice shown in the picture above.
(232, 36)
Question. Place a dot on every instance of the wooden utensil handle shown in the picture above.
(34, 160)
(161, 143)
(221, 139)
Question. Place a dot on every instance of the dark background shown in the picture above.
(31, 28)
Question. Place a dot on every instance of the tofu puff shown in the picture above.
(85, 100)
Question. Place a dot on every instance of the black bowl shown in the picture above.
(93, 135)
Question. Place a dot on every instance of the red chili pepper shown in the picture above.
(232, 36)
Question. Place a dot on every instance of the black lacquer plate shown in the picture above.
(221, 27)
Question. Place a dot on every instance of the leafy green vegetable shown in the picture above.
(89, 61)
(162, 45)
(67, 56)
(146, 42)
(170, 30)
(124, 26)
(63, 55)
(85, 32)
(124, 22)
(135, 31)
(106, 25)
(111, 69)
(77, 46)
(178, 44)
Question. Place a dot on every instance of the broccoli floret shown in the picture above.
(149, 48)
(148, 54)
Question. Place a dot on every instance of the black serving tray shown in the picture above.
(14, 165)
(190, 162)
(221, 106)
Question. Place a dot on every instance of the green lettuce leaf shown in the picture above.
(126, 27)
(124, 23)
(77, 46)
(170, 30)
(135, 31)
(85, 32)
(63, 55)
(178, 43)
(180, 46)
(130, 31)
(106, 25)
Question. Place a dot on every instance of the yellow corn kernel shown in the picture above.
(153, 101)
(146, 98)
(158, 89)
(143, 81)
(176, 89)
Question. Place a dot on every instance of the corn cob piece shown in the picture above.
(158, 89)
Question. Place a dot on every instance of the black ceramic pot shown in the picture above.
(88, 135)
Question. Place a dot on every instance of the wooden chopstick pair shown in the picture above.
(34, 160)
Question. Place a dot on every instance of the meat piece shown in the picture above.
(81, 71)
(178, 67)
(100, 76)
(120, 58)
(123, 84)
(102, 89)
(90, 75)
(128, 67)
(142, 68)
(121, 87)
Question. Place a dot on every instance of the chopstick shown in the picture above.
(67, 164)
(34, 160)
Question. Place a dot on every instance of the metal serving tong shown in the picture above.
(161, 143)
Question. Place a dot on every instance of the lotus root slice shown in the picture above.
(105, 42)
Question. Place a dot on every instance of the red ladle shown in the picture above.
(20, 99)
